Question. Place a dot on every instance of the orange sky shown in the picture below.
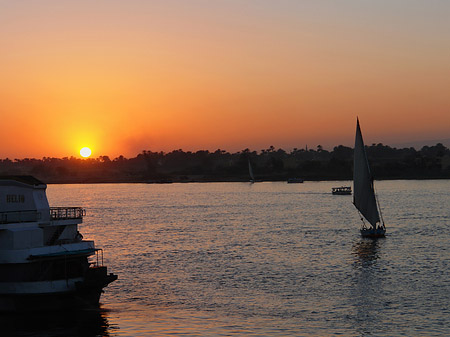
(126, 76)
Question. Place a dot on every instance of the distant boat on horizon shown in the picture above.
(364, 197)
(343, 190)
(295, 181)
(250, 171)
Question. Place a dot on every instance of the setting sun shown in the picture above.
(201, 77)
(85, 152)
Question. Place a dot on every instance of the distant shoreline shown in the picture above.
(229, 181)
(220, 166)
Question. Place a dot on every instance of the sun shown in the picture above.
(85, 152)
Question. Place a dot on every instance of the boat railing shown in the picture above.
(97, 260)
(19, 216)
(64, 213)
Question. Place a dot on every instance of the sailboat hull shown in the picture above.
(373, 233)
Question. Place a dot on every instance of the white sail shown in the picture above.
(363, 192)
(252, 177)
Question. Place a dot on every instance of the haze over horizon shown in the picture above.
(418, 145)
(123, 77)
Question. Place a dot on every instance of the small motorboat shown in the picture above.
(343, 190)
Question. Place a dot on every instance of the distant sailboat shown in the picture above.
(364, 197)
(250, 171)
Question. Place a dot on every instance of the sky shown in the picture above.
(121, 77)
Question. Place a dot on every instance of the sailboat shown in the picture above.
(250, 171)
(364, 197)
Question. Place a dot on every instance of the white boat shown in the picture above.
(364, 197)
(250, 171)
(44, 262)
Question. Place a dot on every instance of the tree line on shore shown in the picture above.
(430, 162)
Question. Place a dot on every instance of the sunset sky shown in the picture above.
(125, 76)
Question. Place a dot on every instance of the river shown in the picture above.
(262, 259)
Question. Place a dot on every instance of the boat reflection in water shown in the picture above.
(81, 323)
(368, 294)
(365, 252)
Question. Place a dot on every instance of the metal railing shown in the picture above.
(56, 213)
(97, 261)
(63, 213)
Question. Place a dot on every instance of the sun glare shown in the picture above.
(85, 152)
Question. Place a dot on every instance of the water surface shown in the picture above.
(224, 259)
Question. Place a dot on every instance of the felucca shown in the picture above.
(364, 197)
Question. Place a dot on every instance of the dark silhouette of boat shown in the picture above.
(364, 197)
(343, 190)
(44, 262)
(295, 181)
